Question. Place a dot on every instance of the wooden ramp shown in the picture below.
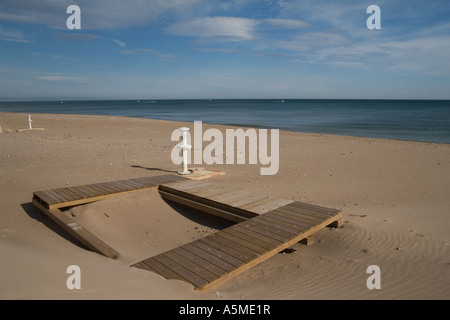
(49, 202)
(273, 226)
(230, 203)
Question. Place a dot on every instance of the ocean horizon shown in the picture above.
(412, 120)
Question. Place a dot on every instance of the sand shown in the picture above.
(394, 196)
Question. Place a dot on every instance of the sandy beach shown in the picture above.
(394, 196)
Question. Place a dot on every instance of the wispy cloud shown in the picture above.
(5, 16)
(119, 43)
(57, 77)
(286, 23)
(96, 15)
(155, 53)
(12, 35)
(15, 40)
(223, 28)
(76, 36)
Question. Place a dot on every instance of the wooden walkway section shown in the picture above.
(50, 202)
(72, 196)
(266, 227)
(230, 203)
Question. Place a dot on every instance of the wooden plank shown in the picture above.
(287, 218)
(209, 191)
(292, 216)
(191, 266)
(78, 232)
(308, 212)
(274, 219)
(57, 196)
(315, 214)
(247, 236)
(85, 191)
(61, 195)
(264, 230)
(148, 181)
(184, 185)
(260, 236)
(305, 217)
(190, 276)
(230, 235)
(202, 207)
(266, 205)
(246, 253)
(250, 199)
(205, 264)
(220, 254)
(211, 203)
(219, 262)
(225, 248)
(275, 226)
(268, 254)
(316, 208)
(143, 266)
(162, 269)
(140, 183)
(269, 227)
(106, 187)
(124, 186)
(68, 194)
(119, 187)
(79, 193)
(135, 184)
(94, 191)
(229, 198)
(167, 178)
(113, 187)
(43, 197)
(104, 190)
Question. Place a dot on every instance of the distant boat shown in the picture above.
(282, 100)
(138, 101)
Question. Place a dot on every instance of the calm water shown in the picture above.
(417, 120)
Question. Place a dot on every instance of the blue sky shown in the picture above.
(187, 49)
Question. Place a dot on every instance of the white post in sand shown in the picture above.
(184, 145)
(29, 122)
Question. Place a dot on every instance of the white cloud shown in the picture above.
(54, 77)
(96, 15)
(143, 51)
(225, 28)
(15, 40)
(286, 23)
(119, 43)
(12, 35)
(5, 16)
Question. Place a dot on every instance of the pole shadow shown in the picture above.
(154, 169)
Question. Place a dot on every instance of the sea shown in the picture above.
(413, 120)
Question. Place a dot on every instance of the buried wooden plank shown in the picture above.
(78, 232)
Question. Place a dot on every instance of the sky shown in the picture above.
(237, 49)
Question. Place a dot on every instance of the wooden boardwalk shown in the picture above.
(273, 226)
(50, 202)
(72, 196)
(264, 226)
(230, 203)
